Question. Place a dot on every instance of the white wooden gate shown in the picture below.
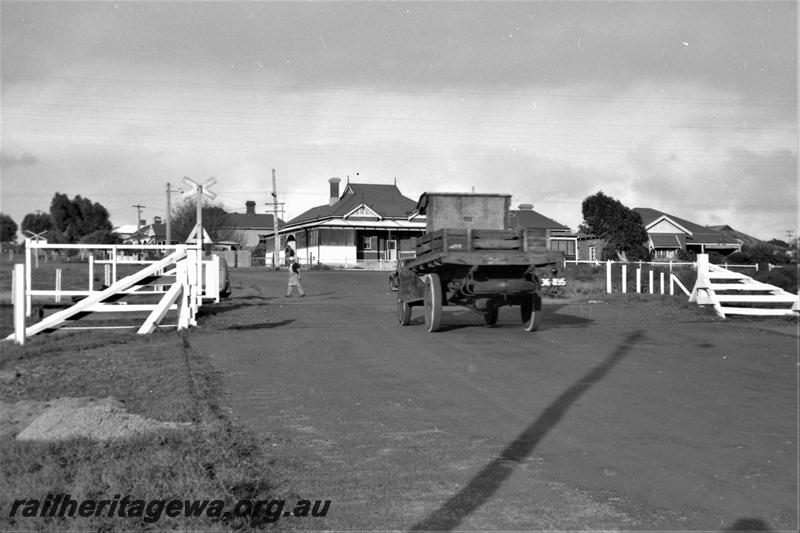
(732, 293)
(189, 280)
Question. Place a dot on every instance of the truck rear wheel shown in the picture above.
(531, 311)
(433, 303)
(492, 310)
(403, 312)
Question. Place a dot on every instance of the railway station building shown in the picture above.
(364, 225)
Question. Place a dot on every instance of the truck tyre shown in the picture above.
(403, 312)
(433, 303)
(492, 311)
(531, 311)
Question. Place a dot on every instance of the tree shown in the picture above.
(8, 228)
(101, 236)
(215, 221)
(78, 217)
(779, 243)
(762, 253)
(621, 227)
(38, 223)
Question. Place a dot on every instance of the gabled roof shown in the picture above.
(362, 210)
(385, 200)
(736, 236)
(125, 229)
(699, 234)
(672, 241)
(151, 230)
(528, 218)
(251, 221)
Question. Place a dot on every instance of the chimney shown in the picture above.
(156, 220)
(526, 207)
(334, 190)
(251, 207)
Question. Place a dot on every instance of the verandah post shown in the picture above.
(608, 276)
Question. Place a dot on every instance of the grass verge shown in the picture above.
(159, 377)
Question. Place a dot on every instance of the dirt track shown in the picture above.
(624, 414)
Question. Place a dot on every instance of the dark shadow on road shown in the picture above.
(254, 297)
(335, 295)
(218, 309)
(487, 482)
(748, 524)
(262, 325)
(552, 319)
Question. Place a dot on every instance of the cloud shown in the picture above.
(24, 160)
(745, 47)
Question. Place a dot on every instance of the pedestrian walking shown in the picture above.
(294, 280)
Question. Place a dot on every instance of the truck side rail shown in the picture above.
(468, 240)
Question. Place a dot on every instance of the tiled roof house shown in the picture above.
(155, 233)
(668, 234)
(251, 228)
(367, 222)
(558, 235)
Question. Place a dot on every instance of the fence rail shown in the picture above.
(191, 279)
(670, 264)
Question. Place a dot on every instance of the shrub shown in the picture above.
(784, 277)
(717, 258)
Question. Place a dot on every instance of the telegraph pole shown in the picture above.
(168, 236)
(138, 216)
(275, 263)
(169, 215)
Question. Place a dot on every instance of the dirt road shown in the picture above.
(616, 415)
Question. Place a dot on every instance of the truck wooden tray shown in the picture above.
(481, 247)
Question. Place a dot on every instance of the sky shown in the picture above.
(686, 107)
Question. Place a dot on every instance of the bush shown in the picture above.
(784, 277)
(686, 256)
(717, 258)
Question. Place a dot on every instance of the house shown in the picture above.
(559, 236)
(155, 233)
(736, 236)
(590, 247)
(251, 229)
(125, 231)
(367, 222)
(667, 234)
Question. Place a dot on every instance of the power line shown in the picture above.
(260, 87)
(253, 115)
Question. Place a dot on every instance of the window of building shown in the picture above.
(592, 253)
(563, 245)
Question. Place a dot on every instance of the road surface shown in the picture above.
(616, 414)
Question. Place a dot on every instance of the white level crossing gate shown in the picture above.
(732, 293)
(187, 278)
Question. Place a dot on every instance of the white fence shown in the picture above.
(732, 293)
(669, 264)
(179, 277)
